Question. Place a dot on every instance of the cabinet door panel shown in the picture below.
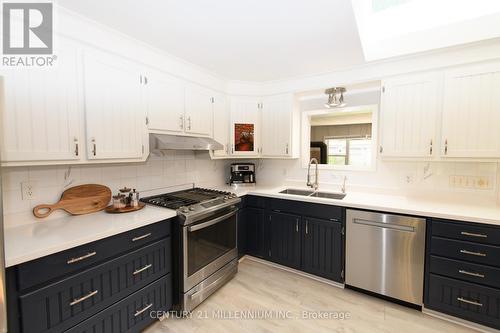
(221, 124)
(471, 112)
(199, 111)
(41, 117)
(409, 109)
(255, 232)
(322, 251)
(245, 126)
(115, 115)
(284, 231)
(164, 97)
(276, 125)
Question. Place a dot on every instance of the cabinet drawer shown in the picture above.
(466, 231)
(133, 313)
(255, 201)
(468, 251)
(61, 305)
(481, 274)
(325, 212)
(464, 300)
(43, 270)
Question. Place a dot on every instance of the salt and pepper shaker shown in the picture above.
(134, 198)
(126, 197)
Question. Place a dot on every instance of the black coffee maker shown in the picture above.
(242, 173)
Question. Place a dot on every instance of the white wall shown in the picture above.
(175, 168)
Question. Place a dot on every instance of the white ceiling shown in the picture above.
(249, 40)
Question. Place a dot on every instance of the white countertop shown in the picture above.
(40, 238)
(428, 206)
(47, 236)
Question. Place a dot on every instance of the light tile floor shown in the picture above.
(261, 290)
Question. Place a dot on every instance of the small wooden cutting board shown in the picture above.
(78, 200)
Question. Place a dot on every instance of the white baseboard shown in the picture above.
(295, 271)
(461, 322)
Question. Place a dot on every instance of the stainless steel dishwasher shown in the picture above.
(385, 254)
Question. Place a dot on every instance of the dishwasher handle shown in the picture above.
(396, 227)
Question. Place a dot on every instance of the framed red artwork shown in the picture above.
(244, 137)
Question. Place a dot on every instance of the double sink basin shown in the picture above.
(307, 193)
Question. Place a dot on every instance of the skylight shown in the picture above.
(389, 28)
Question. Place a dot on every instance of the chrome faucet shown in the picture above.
(343, 184)
(314, 185)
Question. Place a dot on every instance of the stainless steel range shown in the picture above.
(205, 239)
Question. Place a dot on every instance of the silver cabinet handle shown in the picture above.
(94, 147)
(181, 118)
(471, 234)
(477, 254)
(334, 220)
(189, 123)
(88, 255)
(139, 312)
(297, 225)
(430, 148)
(463, 300)
(140, 270)
(135, 239)
(471, 274)
(446, 146)
(286, 149)
(307, 227)
(76, 149)
(81, 299)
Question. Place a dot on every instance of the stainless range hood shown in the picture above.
(176, 142)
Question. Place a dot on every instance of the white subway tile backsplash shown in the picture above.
(169, 168)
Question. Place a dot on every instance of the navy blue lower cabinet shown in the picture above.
(323, 248)
(242, 234)
(114, 294)
(463, 271)
(63, 304)
(256, 244)
(133, 313)
(284, 239)
(464, 300)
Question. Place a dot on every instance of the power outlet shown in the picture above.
(28, 190)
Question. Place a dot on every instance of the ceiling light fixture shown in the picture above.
(333, 100)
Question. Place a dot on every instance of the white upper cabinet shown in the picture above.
(408, 115)
(199, 111)
(164, 98)
(245, 126)
(221, 124)
(41, 112)
(114, 112)
(471, 112)
(278, 118)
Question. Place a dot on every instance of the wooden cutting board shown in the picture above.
(78, 200)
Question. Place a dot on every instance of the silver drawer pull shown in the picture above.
(145, 268)
(463, 300)
(135, 239)
(471, 234)
(88, 255)
(471, 274)
(81, 299)
(477, 254)
(139, 312)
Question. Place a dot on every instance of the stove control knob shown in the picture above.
(191, 208)
(184, 209)
(226, 197)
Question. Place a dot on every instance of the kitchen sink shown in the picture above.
(306, 193)
(297, 192)
(328, 195)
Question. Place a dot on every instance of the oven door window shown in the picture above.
(209, 243)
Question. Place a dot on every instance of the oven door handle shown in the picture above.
(212, 222)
